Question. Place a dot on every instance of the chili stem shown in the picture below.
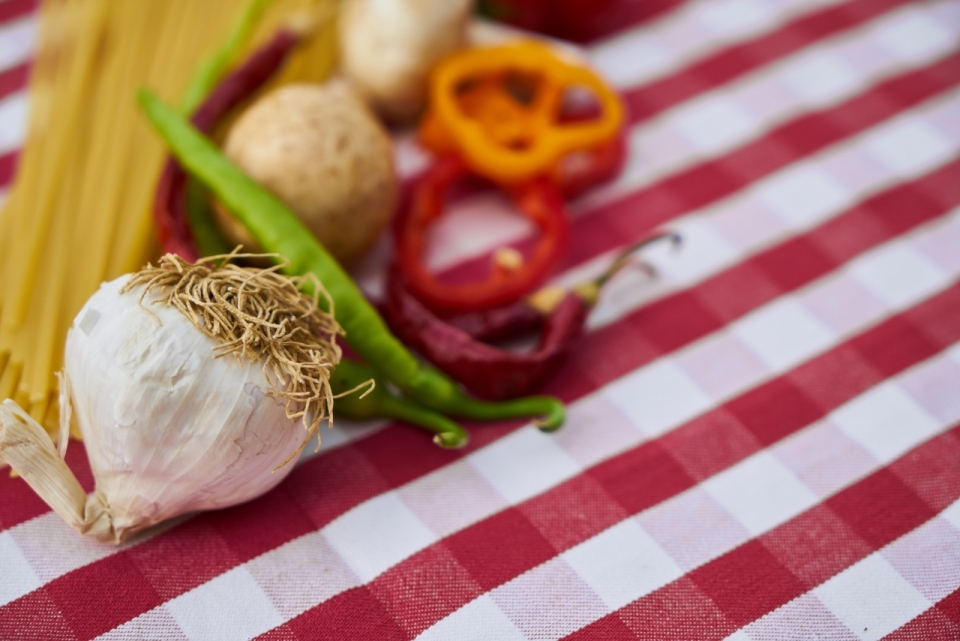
(446, 433)
(624, 258)
(347, 382)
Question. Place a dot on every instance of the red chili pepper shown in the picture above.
(491, 372)
(487, 371)
(504, 323)
(170, 201)
(539, 199)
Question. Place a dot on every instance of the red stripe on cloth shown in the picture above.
(471, 562)
(14, 79)
(614, 224)
(728, 64)
(38, 619)
(939, 623)
(355, 473)
(357, 615)
(769, 571)
(8, 167)
(13, 9)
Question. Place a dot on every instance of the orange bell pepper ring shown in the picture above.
(499, 108)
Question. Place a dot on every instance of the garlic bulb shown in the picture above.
(182, 386)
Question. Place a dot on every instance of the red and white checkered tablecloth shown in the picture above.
(763, 444)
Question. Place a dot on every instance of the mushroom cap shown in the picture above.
(320, 150)
(389, 47)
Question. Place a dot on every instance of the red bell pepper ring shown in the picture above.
(539, 199)
(539, 126)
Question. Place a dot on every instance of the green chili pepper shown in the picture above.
(212, 68)
(380, 403)
(278, 230)
(207, 235)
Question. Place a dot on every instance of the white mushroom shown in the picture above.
(388, 48)
(320, 150)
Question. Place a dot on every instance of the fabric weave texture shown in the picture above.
(762, 443)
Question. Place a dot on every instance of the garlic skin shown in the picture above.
(168, 428)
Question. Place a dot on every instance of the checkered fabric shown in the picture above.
(763, 443)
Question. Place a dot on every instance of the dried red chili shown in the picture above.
(456, 347)
(170, 202)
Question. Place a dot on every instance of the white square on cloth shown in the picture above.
(18, 576)
(909, 146)
(524, 464)
(898, 274)
(871, 598)
(480, 620)
(17, 41)
(806, 617)
(378, 534)
(49, 561)
(629, 59)
(820, 77)
(761, 492)
(783, 334)
(885, 421)
(914, 36)
(13, 121)
(705, 251)
(622, 563)
(659, 397)
(713, 123)
(803, 195)
(730, 17)
(952, 514)
(230, 606)
(157, 623)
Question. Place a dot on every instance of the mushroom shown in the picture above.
(388, 48)
(320, 150)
